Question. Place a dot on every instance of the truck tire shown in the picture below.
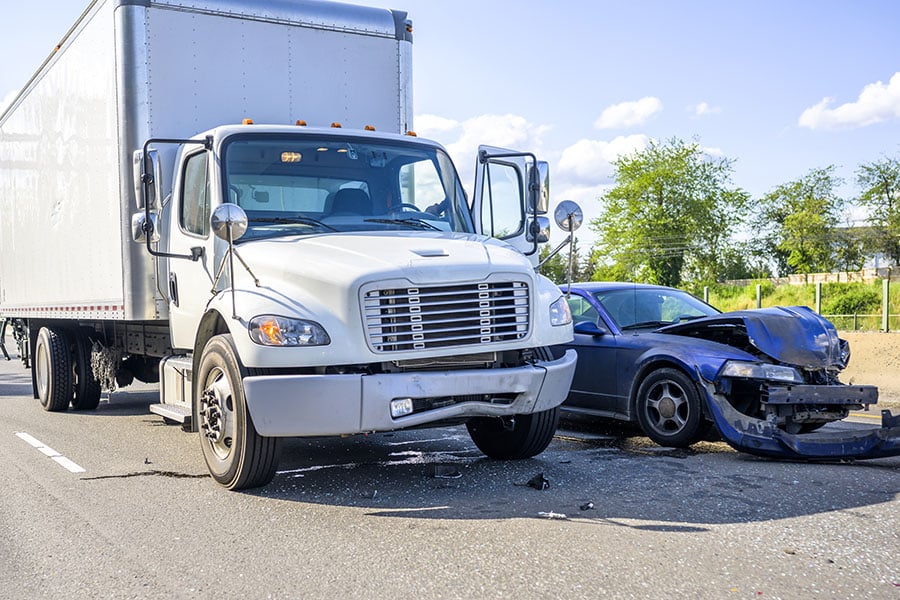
(527, 436)
(87, 387)
(236, 455)
(53, 369)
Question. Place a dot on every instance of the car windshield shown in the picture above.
(305, 184)
(639, 308)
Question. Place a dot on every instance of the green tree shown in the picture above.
(880, 185)
(670, 215)
(556, 269)
(797, 222)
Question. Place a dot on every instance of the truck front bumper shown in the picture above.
(315, 405)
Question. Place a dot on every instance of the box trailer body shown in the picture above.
(225, 196)
(130, 71)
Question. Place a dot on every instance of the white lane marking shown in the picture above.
(48, 451)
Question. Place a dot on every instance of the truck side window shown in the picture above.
(501, 210)
(195, 198)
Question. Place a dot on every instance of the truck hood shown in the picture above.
(792, 335)
(348, 259)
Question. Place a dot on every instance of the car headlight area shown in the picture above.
(764, 371)
(560, 314)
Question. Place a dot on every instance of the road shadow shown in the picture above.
(622, 480)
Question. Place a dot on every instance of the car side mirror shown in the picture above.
(590, 328)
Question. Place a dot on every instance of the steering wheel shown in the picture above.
(236, 191)
(397, 208)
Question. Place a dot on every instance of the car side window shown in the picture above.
(582, 310)
(195, 201)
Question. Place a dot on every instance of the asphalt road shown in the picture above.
(422, 515)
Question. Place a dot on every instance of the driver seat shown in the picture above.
(353, 201)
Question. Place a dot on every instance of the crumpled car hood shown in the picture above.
(792, 335)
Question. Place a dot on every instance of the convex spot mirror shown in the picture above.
(568, 216)
(229, 222)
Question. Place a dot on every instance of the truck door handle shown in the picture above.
(173, 289)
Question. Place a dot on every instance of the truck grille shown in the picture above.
(421, 318)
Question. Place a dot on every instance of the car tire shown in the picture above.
(236, 455)
(668, 408)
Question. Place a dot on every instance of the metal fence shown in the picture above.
(864, 322)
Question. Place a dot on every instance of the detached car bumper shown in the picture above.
(316, 405)
(756, 436)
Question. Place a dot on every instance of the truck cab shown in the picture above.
(348, 290)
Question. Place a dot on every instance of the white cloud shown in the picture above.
(590, 161)
(463, 138)
(7, 99)
(628, 114)
(876, 103)
(704, 108)
(428, 125)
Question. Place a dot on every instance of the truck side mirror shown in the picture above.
(147, 171)
(539, 175)
(538, 228)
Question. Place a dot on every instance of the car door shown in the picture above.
(594, 387)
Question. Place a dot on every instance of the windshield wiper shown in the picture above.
(422, 224)
(294, 221)
(644, 325)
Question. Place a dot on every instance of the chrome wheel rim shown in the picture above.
(667, 407)
(42, 371)
(217, 420)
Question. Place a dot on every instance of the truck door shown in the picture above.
(190, 282)
(510, 192)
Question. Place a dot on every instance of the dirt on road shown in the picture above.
(875, 360)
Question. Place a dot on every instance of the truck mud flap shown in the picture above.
(755, 436)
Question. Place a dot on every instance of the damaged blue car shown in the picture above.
(767, 379)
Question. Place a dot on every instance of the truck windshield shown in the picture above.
(301, 185)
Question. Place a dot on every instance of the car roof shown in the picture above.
(608, 286)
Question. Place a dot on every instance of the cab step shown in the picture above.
(173, 412)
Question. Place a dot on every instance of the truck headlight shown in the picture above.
(560, 313)
(749, 370)
(271, 330)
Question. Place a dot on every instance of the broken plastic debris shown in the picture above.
(539, 482)
(587, 506)
(552, 515)
(446, 472)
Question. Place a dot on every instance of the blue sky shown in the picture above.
(780, 86)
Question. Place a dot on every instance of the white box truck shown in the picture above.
(226, 196)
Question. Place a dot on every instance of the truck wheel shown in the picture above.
(53, 369)
(87, 387)
(236, 455)
(524, 437)
(668, 408)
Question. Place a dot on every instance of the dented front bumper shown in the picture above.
(760, 437)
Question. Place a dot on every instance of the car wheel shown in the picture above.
(236, 455)
(668, 408)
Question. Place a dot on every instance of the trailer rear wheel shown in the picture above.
(236, 455)
(87, 387)
(53, 369)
